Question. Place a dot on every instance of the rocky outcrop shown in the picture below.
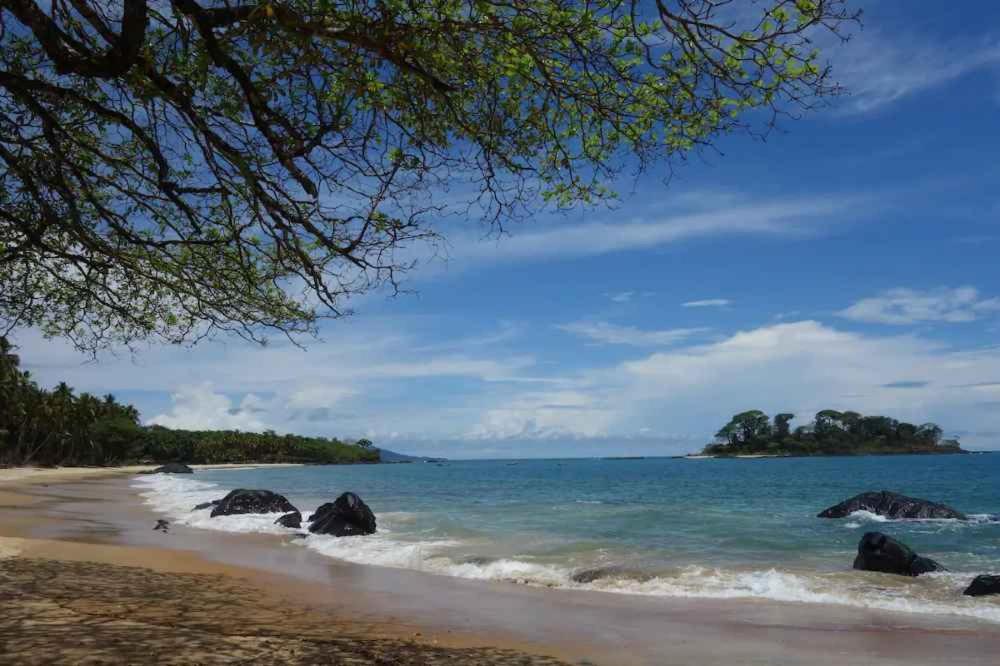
(292, 520)
(205, 505)
(173, 468)
(242, 500)
(878, 552)
(892, 505)
(348, 515)
(982, 586)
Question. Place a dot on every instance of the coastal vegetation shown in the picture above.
(171, 170)
(830, 433)
(61, 427)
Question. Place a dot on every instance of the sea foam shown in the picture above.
(938, 593)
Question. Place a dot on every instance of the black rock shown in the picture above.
(161, 526)
(173, 468)
(205, 505)
(252, 501)
(348, 515)
(892, 505)
(878, 552)
(293, 520)
(983, 585)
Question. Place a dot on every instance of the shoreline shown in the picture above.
(108, 524)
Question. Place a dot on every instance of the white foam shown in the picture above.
(868, 516)
(911, 597)
(177, 497)
(937, 593)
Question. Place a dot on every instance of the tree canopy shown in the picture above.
(175, 168)
(830, 432)
(61, 427)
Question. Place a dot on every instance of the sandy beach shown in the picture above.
(78, 550)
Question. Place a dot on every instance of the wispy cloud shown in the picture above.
(878, 69)
(612, 334)
(909, 306)
(708, 303)
(912, 384)
(788, 217)
(622, 296)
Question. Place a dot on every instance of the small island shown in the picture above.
(831, 433)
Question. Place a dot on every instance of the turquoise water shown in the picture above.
(714, 528)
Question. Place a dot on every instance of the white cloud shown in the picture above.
(622, 297)
(775, 218)
(878, 69)
(319, 396)
(604, 332)
(200, 407)
(909, 306)
(708, 303)
(368, 382)
(800, 367)
(545, 415)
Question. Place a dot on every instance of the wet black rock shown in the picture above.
(892, 505)
(348, 515)
(878, 552)
(293, 520)
(173, 468)
(242, 500)
(205, 505)
(983, 585)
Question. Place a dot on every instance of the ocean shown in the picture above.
(654, 526)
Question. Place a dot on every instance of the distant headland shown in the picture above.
(831, 433)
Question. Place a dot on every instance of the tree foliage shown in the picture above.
(831, 432)
(181, 167)
(59, 427)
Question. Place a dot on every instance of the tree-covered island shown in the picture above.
(830, 433)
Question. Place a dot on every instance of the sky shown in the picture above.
(848, 261)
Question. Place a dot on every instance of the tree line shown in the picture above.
(831, 432)
(61, 427)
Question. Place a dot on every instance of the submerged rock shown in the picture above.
(205, 505)
(348, 515)
(878, 552)
(982, 586)
(173, 468)
(242, 500)
(293, 520)
(599, 573)
(892, 505)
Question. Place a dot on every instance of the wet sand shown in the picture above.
(268, 589)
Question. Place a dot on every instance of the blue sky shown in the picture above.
(849, 261)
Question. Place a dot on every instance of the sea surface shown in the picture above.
(658, 526)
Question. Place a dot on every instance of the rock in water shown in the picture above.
(252, 501)
(892, 505)
(878, 552)
(205, 505)
(173, 468)
(293, 520)
(348, 515)
(983, 585)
